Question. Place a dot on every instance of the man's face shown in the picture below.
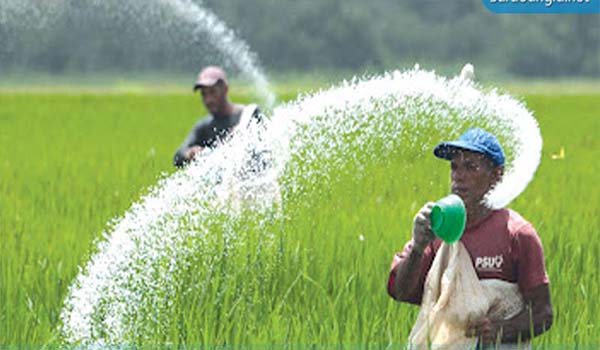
(215, 98)
(472, 176)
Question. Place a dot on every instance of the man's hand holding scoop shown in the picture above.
(422, 234)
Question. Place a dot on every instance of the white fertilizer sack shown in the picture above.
(453, 296)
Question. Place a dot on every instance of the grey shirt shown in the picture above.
(208, 132)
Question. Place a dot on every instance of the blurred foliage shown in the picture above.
(308, 35)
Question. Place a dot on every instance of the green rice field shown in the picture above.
(71, 162)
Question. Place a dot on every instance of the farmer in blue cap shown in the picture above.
(502, 244)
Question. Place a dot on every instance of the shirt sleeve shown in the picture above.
(196, 137)
(426, 260)
(531, 268)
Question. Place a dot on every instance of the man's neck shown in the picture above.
(477, 215)
(228, 110)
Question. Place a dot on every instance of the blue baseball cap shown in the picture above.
(476, 140)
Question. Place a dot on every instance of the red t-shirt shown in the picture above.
(503, 246)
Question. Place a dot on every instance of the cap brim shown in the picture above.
(446, 150)
(203, 83)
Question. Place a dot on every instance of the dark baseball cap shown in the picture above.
(209, 76)
(476, 140)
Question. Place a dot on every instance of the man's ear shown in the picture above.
(225, 88)
(498, 173)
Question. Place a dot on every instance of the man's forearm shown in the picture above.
(406, 275)
(525, 325)
(179, 157)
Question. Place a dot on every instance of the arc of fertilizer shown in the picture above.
(134, 271)
(524, 166)
(460, 95)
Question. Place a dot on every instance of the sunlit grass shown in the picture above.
(70, 163)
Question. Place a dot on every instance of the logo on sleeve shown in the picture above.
(489, 263)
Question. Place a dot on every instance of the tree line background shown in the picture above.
(305, 36)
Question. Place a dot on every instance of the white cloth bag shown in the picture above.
(453, 296)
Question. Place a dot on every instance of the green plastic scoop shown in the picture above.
(448, 218)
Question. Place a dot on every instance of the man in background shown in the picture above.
(223, 118)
